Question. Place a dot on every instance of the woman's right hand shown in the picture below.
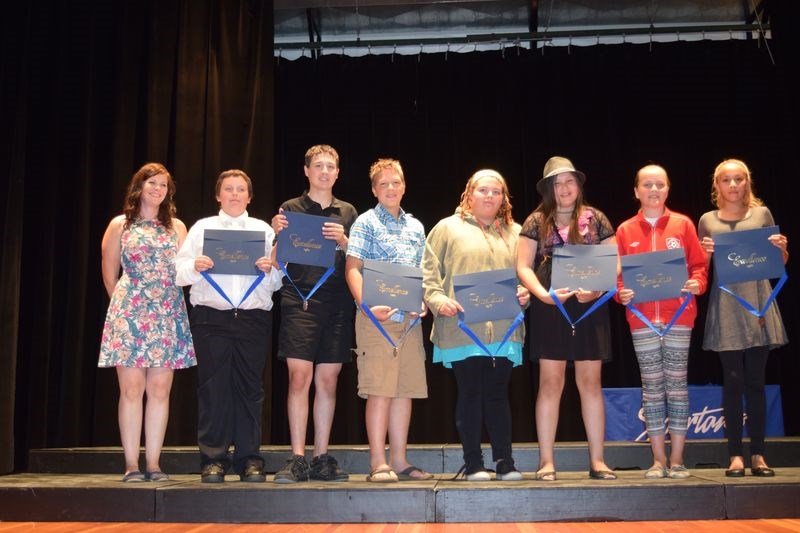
(707, 243)
(562, 294)
(203, 263)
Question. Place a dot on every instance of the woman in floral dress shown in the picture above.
(146, 333)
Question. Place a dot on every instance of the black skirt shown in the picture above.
(551, 335)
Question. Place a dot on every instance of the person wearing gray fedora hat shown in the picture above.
(557, 165)
(564, 217)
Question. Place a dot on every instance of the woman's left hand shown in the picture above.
(780, 241)
(586, 296)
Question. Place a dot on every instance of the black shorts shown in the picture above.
(321, 334)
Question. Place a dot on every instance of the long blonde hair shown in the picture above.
(749, 199)
(504, 213)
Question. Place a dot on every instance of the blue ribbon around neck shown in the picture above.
(320, 281)
(686, 299)
(367, 311)
(221, 292)
(597, 303)
(517, 321)
(759, 313)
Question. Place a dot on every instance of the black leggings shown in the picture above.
(743, 372)
(483, 398)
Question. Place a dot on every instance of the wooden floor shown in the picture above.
(701, 526)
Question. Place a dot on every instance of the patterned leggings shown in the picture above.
(663, 363)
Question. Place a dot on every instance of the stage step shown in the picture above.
(706, 495)
(435, 458)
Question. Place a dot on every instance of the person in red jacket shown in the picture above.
(663, 356)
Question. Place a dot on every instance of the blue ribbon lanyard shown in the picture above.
(597, 303)
(306, 297)
(396, 345)
(514, 325)
(758, 313)
(686, 299)
(221, 292)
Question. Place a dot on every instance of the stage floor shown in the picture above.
(707, 495)
(74, 485)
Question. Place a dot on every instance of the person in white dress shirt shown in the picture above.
(232, 336)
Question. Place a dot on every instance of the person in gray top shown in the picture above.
(742, 339)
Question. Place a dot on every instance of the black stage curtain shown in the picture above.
(612, 109)
(92, 90)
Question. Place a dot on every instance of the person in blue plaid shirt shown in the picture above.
(388, 378)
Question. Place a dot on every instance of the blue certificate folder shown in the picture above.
(747, 255)
(588, 267)
(234, 251)
(488, 295)
(655, 275)
(398, 286)
(302, 241)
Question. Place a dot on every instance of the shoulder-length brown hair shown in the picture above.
(130, 207)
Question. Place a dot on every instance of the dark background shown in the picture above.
(92, 90)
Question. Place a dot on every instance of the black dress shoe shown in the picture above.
(253, 473)
(762, 471)
(734, 472)
(212, 473)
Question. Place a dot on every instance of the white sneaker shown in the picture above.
(480, 475)
(506, 471)
(514, 475)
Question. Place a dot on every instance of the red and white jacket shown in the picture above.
(672, 230)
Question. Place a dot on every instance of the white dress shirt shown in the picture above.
(202, 293)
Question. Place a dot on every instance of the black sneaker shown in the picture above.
(253, 473)
(505, 470)
(325, 468)
(212, 473)
(295, 469)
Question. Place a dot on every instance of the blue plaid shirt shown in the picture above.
(378, 236)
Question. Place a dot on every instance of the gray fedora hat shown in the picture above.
(557, 165)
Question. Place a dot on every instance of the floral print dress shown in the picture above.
(146, 323)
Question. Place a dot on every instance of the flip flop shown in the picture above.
(550, 475)
(156, 475)
(405, 475)
(382, 475)
(133, 477)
